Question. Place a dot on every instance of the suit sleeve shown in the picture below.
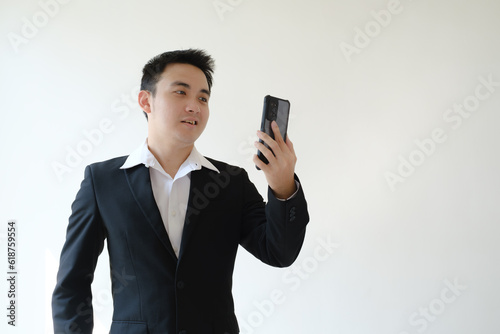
(72, 298)
(273, 232)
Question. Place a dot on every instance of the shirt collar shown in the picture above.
(142, 155)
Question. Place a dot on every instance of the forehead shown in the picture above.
(186, 73)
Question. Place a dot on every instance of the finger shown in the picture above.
(259, 163)
(270, 142)
(277, 134)
(265, 151)
(284, 147)
(264, 136)
(290, 144)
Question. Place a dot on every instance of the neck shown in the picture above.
(170, 156)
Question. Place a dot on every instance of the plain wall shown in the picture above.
(394, 120)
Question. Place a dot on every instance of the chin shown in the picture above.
(188, 140)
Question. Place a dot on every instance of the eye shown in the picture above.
(203, 99)
(181, 92)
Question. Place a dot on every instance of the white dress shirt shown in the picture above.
(171, 195)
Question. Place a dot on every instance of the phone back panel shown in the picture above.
(278, 110)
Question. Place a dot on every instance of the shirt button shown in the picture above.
(173, 213)
(180, 285)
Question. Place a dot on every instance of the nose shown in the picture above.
(193, 107)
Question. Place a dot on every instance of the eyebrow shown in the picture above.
(183, 84)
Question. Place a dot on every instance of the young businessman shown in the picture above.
(173, 219)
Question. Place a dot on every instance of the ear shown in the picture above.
(145, 101)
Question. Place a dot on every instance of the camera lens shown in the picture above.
(273, 110)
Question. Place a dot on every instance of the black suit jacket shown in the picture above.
(153, 291)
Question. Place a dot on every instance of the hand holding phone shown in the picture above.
(278, 165)
(275, 109)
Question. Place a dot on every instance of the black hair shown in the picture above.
(154, 68)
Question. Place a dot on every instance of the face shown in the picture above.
(178, 113)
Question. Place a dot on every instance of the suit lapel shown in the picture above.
(139, 182)
(196, 204)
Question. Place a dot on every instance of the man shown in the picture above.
(173, 219)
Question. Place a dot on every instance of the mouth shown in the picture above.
(190, 122)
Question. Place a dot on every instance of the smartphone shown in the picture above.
(275, 109)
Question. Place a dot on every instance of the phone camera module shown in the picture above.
(273, 111)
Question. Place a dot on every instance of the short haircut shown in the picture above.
(152, 71)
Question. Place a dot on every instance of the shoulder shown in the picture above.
(225, 168)
(107, 166)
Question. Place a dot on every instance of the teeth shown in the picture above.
(191, 122)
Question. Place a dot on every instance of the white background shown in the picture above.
(355, 117)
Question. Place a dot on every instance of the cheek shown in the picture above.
(204, 115)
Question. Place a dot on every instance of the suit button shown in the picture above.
(183, 332)
(180, 286)
(292, 213)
